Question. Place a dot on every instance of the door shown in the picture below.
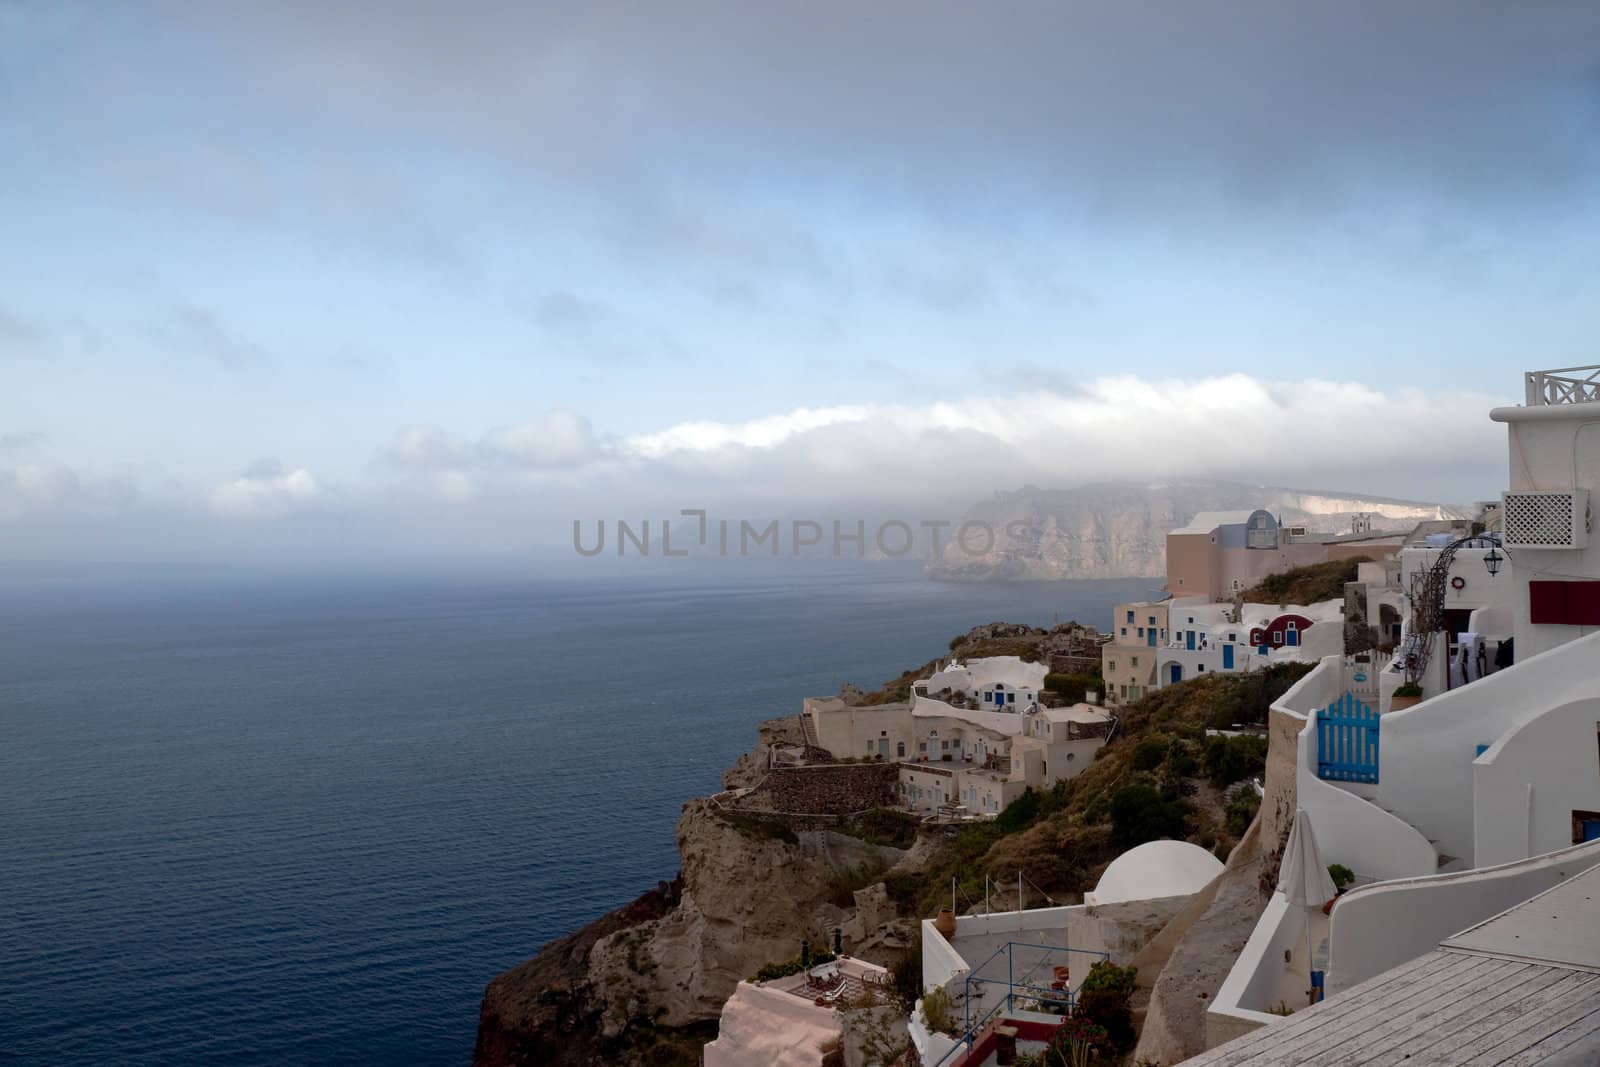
(1292, 635)
(1190, 644)
(1227, 657)
(1591, 829)
(1176, 674)
(883, 747)
(1150, 637)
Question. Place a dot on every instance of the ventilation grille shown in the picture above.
(1545, 520)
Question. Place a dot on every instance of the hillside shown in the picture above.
(1119, 529)
(1305, 585)
(1160, 777)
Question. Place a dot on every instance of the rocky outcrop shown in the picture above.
(750, 890)
(1119, 529)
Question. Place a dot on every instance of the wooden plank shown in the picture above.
(1433, 1004)
(1579, 1025)
(1519, 1020)
(1449, 1044)
(1370, 1000)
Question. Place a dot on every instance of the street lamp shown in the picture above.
(1492, 561)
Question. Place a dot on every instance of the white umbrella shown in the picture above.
(1303, 878)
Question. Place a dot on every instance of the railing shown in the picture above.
(1562, 386)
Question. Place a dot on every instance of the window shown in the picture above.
(1130, 616)
(1277, 637)
(1136, 661)
(1112, 666)
(869, 748)
(1191, 620)
(1152, 620)
(1124, 631)
(1124, 692)
(1011, 698)
(900, 748)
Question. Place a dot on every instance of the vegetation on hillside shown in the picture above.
(1306, 585)
(1160, 777)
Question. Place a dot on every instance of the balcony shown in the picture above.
(1564, 385)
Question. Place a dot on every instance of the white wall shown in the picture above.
(1004, 722)
(1526, 786)
(1553, 448)
(1350, 830)
(1260, 978)
(940, 961)
(1426, 753)
(1378, 927)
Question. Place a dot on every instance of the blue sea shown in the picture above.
(257, 821)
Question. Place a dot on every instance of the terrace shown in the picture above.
(1564, 385)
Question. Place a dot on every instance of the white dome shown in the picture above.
(1156, 869)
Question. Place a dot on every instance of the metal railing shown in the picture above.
(1564, 385)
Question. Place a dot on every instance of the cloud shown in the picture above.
(1311, 433)
(1108, 107)
(266, 489)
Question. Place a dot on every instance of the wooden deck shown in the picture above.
(1447, 1008)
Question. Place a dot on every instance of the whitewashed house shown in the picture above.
(990, 691)
(1486, 792)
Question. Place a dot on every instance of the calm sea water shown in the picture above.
(256, 822)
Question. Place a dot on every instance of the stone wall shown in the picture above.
(834, 789)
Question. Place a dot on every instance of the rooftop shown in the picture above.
(1207, 521)
(1520, 988)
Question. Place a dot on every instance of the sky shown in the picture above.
(340, 282)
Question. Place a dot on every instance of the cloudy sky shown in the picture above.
(330, 280)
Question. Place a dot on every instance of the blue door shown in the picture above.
(1227, 657)
(1191, 640)
(1150, 637)
(1176, 674)
(1591, 829)
(1347, 741)
(1293, 636)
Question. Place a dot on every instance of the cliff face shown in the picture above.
(749, 892)
(1119, 529)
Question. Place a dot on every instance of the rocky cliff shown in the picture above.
(642, 984)
(1119, 529)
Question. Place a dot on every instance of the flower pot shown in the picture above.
(1399, 703)
(945, 923)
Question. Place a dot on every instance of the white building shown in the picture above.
(990, 691)
(1021, 969)
(788, 1022)
(1452, 810)
(1210, 638)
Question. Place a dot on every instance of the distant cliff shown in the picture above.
(1119, 529)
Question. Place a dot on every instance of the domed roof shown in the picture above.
(1156, 869)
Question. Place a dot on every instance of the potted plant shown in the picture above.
(1405, 696)
(945, 922)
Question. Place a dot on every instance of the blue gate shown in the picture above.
(1347, 741)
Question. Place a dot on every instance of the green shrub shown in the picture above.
(794, 966)
(1149, 754)
(938, 1012)
(1020, 812)
(1241, 811)
(1074, 686)
(1233, 759)
(1139, 814)
(1341, 875)
(1106, 999)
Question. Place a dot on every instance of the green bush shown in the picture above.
(1241, 811)
(938, 1012)
(1139, 814)
(1341, 875)
(1074, 686)
(1149, 754)
(1020, 812)
(1106, 999)
(794, 966)
(1233, 759)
